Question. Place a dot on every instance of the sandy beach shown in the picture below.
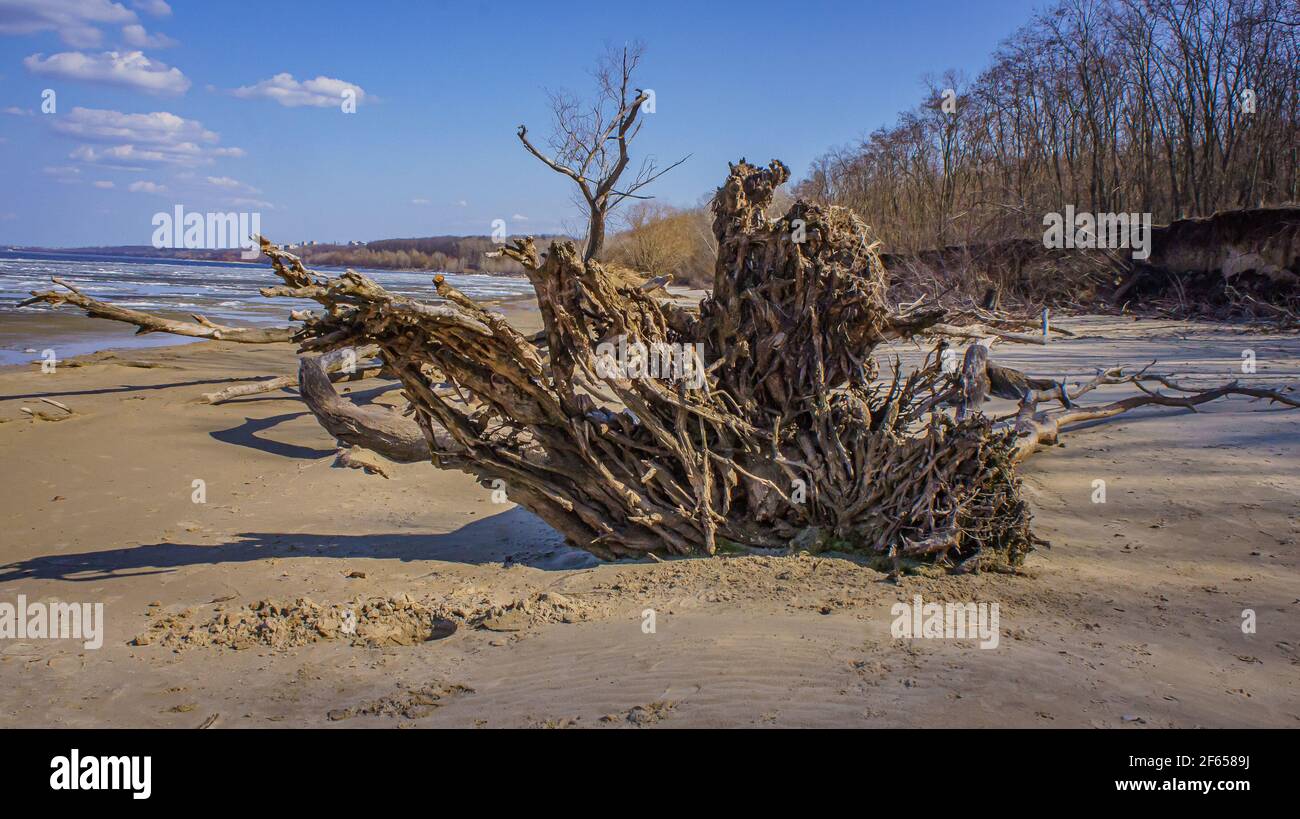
(1133, 618)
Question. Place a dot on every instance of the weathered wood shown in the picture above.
(788, 436)
(1035, 429)
(283, 382)
(150, 323)
(773, 426)
(376, 428)
(357, 458)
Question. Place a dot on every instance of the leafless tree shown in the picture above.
(591, 138)
(1174, 107)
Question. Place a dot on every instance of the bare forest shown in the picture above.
(1175, 108)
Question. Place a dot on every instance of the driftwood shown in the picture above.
(771, 427)
(981, 331)
(67, 412)
(760, 417)
(377, 428)
(355, 458)
(336, 370)
(1034, 428)
(199, 328)
(980, 377)
(148, 323)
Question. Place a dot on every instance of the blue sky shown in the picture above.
(442, 86)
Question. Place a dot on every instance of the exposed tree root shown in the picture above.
(635, 425)
(769, 427)
(789, 434)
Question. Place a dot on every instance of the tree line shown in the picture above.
(1176, 108)
(447, 254)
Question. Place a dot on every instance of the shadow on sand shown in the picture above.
(515, 536)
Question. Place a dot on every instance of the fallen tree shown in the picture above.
(771, 425)
(149, 323)
(339, 367)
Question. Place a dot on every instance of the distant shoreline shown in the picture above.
(89, 255)
(263, 262)
(434, 254)
(226, 292)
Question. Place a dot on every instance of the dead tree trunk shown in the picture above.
(789, 433)
(759, 418)
(199, 328)
(768, 425)
(149, 323)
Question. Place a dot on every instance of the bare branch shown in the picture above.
(150, 323)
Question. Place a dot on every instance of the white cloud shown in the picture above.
(128, 157)
(135, 140)
(146, 187)
(231, 184)
(157, 128)
(520, 217)
(64, 173)
(76, 21)
(154, 8)
(135, 35)
(120, 158)
(131, 69)
(461, 203)
(103, 183)
(322, 92)
(19, 112)
(419, 201)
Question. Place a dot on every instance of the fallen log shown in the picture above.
(338, 371)
(1035, 429)
(199, 328)
(150, 323)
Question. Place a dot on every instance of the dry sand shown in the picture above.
(301, 594)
